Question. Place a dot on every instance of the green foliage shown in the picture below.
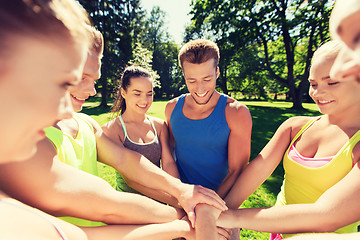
(120, 22)
(132, 37)
(285, 32)
(164, 54)
(143, 57)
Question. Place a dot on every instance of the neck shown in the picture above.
(209, 104)
(133, 116)
(349, 118)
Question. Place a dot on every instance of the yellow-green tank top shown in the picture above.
(305, 185)
(79, 152)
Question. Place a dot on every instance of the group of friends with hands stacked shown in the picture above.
(183, 177)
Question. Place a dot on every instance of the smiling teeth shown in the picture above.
(201, 95)
(323, 101)
(77, 98)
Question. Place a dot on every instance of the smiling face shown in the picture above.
(86, 88)
(34, 91)
(201, 80)
(333, 97)
(138, 95)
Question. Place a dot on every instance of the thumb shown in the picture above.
(191, 216)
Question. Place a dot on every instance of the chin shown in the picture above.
(77, 108)
(24, 153)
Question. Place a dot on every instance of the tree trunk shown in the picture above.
(222, 81)
(297, 99)
(103, 103)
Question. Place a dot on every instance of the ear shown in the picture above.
(122, 92)
(217, 72)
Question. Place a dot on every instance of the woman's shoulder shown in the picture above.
(295, 124)
(156, 120)
(113, 129)
(159, 124)
(299, 121)
(112, 125)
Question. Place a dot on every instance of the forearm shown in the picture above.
(226, 185)
(296, 218)
(167, 154)
(165, 231)
(171, 169)
(136, 167)
(82, 195)
(248, 181)
(154, 194)
(141, 170)
(327, 236)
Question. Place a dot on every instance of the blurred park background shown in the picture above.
(265, 46)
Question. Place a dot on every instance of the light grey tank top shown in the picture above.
(150, 150)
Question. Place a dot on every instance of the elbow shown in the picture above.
(131, 183)
(331, 224)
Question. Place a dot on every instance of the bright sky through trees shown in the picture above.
(176, 15)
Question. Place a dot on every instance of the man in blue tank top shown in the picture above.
(210, 131)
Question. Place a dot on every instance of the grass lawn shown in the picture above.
(267, 116)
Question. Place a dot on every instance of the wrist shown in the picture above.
(183, 229)
(177, 188)
(229, 219)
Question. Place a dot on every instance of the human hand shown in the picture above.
(223, 233)
(190, 235)
(191, 195)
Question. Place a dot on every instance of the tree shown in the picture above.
(143, 58)
(119, 21)
(297, 26)
(164, 50)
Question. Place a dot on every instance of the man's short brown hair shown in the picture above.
(97, 42)
(199, 51)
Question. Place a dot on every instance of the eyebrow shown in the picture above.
(194, 79)
(323, 78)
(136, 90)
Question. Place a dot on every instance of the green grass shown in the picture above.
(267, 117)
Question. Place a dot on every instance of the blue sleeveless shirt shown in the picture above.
(201, 146)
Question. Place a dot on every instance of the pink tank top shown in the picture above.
(306, 161)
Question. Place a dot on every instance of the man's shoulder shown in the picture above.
(174, 100)
(89, 120)
(170, 105)
(233, 106)
(236, 112)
